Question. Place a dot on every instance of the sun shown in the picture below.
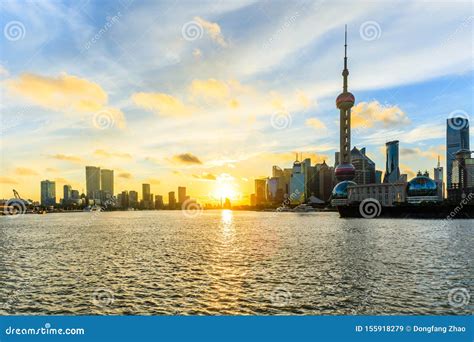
(223, 191)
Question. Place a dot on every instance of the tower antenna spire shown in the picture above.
(345, 72)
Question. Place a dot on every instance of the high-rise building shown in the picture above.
(133, 199)
(146, 192)
(171, 200)
(260, 190)
(325, 182)
(67, 190)
(159, 202)
(345, 101)
(93, 182)
(274, 192)
(181, 194)
(364, 167)
(253, 200)
(298, 183)
(378, 176)
(392, 169)
(75, 194)
(107, 182)
(457, 138)
(48, 193)
(462, 181)
(124, 200)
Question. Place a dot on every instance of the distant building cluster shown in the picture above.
(100, 192)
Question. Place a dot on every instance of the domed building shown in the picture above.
(340, 190)
(422, 189)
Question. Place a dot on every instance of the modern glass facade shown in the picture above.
(297, 183)
(93, 182)
(48, 193)
(107, 182)
(392, 169)
(457, 138)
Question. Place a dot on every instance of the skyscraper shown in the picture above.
(48, 193)
(146, 192)
(298, 183)
(133, 199)
(67, 189)
(325, 182)
(93, 182)
(378, 176)
(344, 102)
(260, 186)
(392, 169)
(107, 182)
(457, 138)
(171, 200)
(364, 167)
(181, 194)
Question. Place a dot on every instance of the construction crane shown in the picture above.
(18, 197)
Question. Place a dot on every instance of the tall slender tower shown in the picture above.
(344, 102)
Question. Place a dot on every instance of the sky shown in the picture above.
(210, 94)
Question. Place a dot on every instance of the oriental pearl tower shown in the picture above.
(345, 171)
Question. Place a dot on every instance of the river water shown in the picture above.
(233, 263)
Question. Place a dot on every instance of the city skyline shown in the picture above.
(237, 121)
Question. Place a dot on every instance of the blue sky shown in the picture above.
(212, 92)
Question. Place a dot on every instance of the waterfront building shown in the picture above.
(363, 165)
(146, 192)
(171, 200)
(107, 183)
(298, 183)
(439, 177)
(181, 195)
(273, 190)
(325, 182)
(124, 200)
(457, 138)
(423, 189)
(286, 181)
(378, 176)
(392, 169)
(260, 190)
(253, 200)
(159, 202)
(462, 176)
(75, 194)
(93, 182)
(133, 199)
(67, 190)
(387, 194)
(48, 193)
